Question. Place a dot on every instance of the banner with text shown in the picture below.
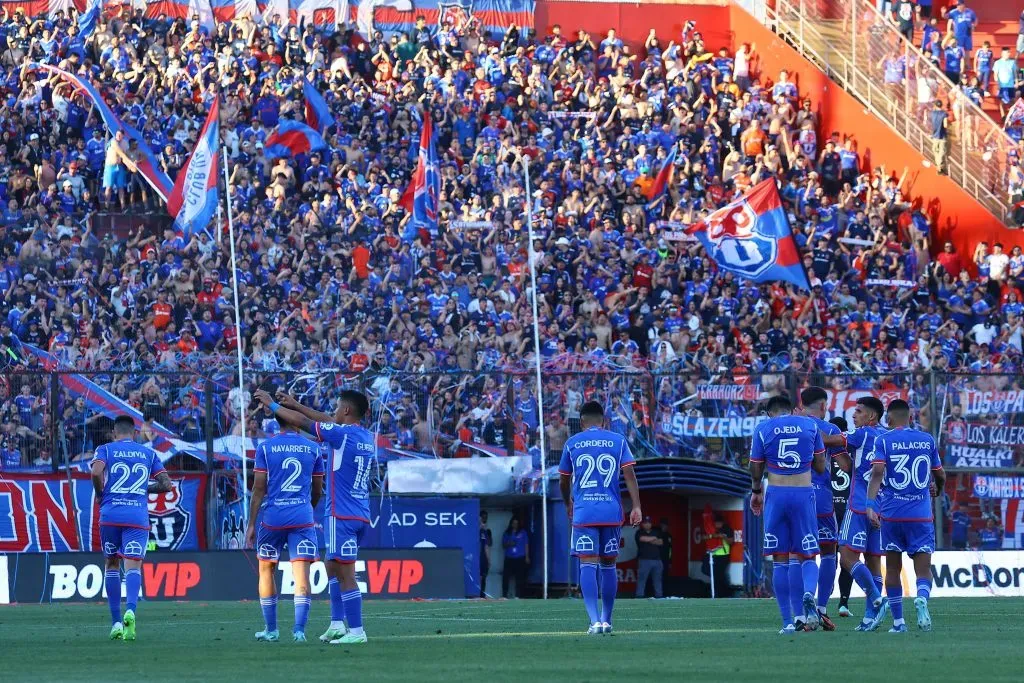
(986, 486)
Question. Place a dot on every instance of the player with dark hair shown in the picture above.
(121, 472)
(840, 494)
(857, 536)
(589, 482)
(813, 400)
(908, 461)
(348, 498)
(288, 481)
(788, 446)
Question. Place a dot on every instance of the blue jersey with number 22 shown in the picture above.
(787, 444)
(129, 467)
(593, 458)
(290, 461)
(348, 469)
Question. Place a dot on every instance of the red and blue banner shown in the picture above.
(147, 164)
(41, 8)
(206, 10)
(664, 177)
(48, 513)
(291, 139)
(87, 22)
(494, 15)
(424, 191)
(193, 201)
(751, 238)
(318, 114)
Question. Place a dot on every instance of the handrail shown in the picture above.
(979, 169)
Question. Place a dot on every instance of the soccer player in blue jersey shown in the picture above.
(354, 452)
(788, 446)
(908, 461)
(589, 481)
(814, 400)
(288, 481)
(121, 473)
(857, 536)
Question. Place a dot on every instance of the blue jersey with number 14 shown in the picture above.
(593, 458)
(787, 444)
(290, 461)
(909, 456)
(348, 469)
(129, 467)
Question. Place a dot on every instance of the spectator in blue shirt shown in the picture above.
(516, 543)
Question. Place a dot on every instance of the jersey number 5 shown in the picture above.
(789, 458)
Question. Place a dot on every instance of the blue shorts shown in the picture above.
(301, 542)
(858, 534)
(790, 521)
(596, 540)
(908, 537)
(114, 177)
(1006, 94)
(343, 538)
(828, 529)
(127, 542)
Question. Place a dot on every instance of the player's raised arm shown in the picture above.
(290, 416)
(834, 440)
(286, 400)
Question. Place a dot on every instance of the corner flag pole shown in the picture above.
(537, 368)
(238, 340)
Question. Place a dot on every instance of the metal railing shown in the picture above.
(863, 52)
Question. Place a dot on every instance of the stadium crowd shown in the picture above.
(332, 279)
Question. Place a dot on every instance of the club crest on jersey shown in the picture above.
(825, 534)
(584, 544)
(859, 540)
(305, 548)
(169, 522)
(109, 549)
(893, 547)
(349, 548)
(268, 552)
(612, 546)
(133, 549)
(737, 244)
(809, 543)
(771, 541)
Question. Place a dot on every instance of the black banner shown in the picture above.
(424, 573)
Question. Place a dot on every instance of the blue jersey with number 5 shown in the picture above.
(593, 458)
(353, 451)
(787, 444)
(129, 467)
(909, 456)
(290, 461)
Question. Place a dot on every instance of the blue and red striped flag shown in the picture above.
(751, 238)
(193, 200)
(318, 115)
(293, 138)
(421, 197)
(664, 177)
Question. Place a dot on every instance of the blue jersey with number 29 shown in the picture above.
(593, 458)
(787, 444)
(129, 467)
(909, 456)
(348, 469)
(290, 461)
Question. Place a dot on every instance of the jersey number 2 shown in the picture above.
(294, 468)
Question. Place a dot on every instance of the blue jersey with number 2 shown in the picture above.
(348, 469)
(129, 467)
(787, 444)
(290, 461)
(593, 458)
(909, 456)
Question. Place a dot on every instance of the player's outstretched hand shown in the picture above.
(635, 517)
(757, 503)
(286, 399)
(263, 397)
(250, 537)
(873, 518)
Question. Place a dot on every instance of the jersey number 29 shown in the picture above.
(605, 466)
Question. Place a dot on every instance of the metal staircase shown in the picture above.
(849, 40)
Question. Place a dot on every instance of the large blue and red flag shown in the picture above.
(90, 19)
(752, 239)
(293, 138)
(494, 15)
(422, 195)
(661, 181)
(193, 200)
(318, 115)
(148, 165)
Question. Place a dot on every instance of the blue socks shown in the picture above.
(796, 589)
(878, 583)
(269, 607)
(301, 612)
(112, 582)
(895, 594)
(809, 570)
(862, 575)
(780, 582)
(826, 580)
(924, 588)
(353, 600)
(132, 585)
(337, 606)
(588, 586)
(609, 587)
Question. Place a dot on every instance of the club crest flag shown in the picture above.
(193, 200)
(751, 238)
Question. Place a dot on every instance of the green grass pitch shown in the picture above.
(525, 641)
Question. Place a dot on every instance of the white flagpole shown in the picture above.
(238, 340)
(537, 368)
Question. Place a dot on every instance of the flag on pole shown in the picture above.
(751, 238)
(424, 190)
(1016, 114)
(87, 22)
(664, 177)
(193, 200)
(293, 138)
(318, 115)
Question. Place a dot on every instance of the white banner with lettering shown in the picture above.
(457, 475)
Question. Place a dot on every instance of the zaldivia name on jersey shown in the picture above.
(124, 454)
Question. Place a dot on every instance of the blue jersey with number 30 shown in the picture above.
(290, 461)
(909, 456)
(787, 444)
(348, 469)
(129, 467)
(593, 458)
